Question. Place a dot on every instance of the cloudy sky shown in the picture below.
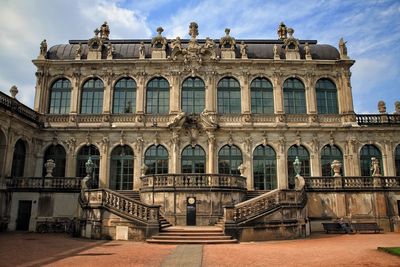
(372, 29)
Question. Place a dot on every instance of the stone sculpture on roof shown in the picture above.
(343, 49)
(104, 31)
(282, 31)
(43, 49)
(243, 50)
(159, 45)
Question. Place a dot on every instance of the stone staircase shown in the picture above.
(192, 235)
(131, 194)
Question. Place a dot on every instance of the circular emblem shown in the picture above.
(191, 200)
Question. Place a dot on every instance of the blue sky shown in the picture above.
(372, 29)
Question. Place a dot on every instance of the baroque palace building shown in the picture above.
(197, 132)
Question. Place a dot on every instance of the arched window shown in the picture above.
(397, 160)
(18, 163)
(326, 97)
(328, 155)
(121, 171)
(124, 96)
(193, 160)
(229, 159)
(367, 152)
(2, 151)
(229, 96)
(264, 168)
(193, 95)
(83, 155)
(60, 97)
(92, 97)
(56, 153)
(304, 157)
(294, 99)
(156, 159)
(262, 98)
(157, 96)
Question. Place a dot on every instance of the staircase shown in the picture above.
(192, 235)
(255, 193)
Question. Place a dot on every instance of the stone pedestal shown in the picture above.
(228, 54)
(158, 54)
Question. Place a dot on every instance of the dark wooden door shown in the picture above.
(24, 215)
(191, 211)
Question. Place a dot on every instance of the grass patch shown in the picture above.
(391, 250)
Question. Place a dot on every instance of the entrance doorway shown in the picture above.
(191, 211)
(24, 215)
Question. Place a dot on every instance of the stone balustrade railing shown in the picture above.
(377, 119)
(268, 202)
(44, 183)
(19, 108)
(194, 180)
(352, 183)
(120, 205)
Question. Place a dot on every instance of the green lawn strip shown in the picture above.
(391, 250)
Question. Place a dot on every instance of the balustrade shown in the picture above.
(194, 180)
(377, 119)
(49, 183)
(348, 182)
(19, 108)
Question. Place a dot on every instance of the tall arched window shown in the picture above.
(157, 96)
(294, 99)
(229, 96)
(56, 153)
(156, 159)
(124, 96)
(193, 95)
(83, 155)
(2, 151)
(262, 98)
(193, 160)
(264, 168)
(328, 154)
(397, 160)
(367, 152)
(60, 97)
(304, 157)
(326, 97)
(18, 163)
(229, 159)
(92, 97)
(121, 168)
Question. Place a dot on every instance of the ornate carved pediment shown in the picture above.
(158, 45)
(291, 45)
(95, 46)
(227, 42)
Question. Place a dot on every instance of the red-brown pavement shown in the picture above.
(30, 249)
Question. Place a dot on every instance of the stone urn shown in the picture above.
(297, 166)
(49, 165)
(336, 167)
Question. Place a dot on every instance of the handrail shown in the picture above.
(50, 183)
(120, 204)
(15, 106)
(352, 182)
(193, 180)
(377, 119)
(263, 204)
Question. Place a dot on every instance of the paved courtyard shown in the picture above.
(30, 249)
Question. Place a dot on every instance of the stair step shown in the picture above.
(190, 234)
(173, 230)
(210, 241)
(191, 237)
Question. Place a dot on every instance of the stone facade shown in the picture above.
(244, 61)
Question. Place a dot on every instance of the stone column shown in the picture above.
(70, 164)
(38, 90)
(175, 96)
(104, 171)
(211, 93)
(211, 160)
(281, 171)
(245, 93)
(278, 93)
(311, 98)
(74, 105)
(315, 162)
(140, 94)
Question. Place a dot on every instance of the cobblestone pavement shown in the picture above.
(30, 249)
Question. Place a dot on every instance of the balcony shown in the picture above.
(378, 119)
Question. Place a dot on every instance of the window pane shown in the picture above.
(60, 93)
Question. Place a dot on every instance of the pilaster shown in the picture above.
(211, 92)
(175, 94)
(245, 93)
(278, 93)
(74, 105)
(310, 94)
(140, 94)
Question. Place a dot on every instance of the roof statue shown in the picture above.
(193, 30)
(343, 49)
(243, 50)
(104, 31)
(382, 107)
(43, 49)
(227, 42)
(159, 41)
(282, 31)
(141, 51)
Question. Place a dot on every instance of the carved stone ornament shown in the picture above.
(227, 42)
(276, 52)
(241, 169)
(230, 139)
(291, 45)
(297, 166)
(307, 51)
(382, 107)
(78, 52)
(95, 46)
(159, 42)
(282, 31)
(43, 50)
(13, 91)
(375, 167)
(144, 169)
(88, 139)
(397, 108)
(178, 120)
(110, 51)
(208, 120)
(243, 50)
(104, 31)
(336, 166)
(142, 51)
(343, 49)
(49, 165)
(156, 138)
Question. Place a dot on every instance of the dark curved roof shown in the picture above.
(130, 50)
